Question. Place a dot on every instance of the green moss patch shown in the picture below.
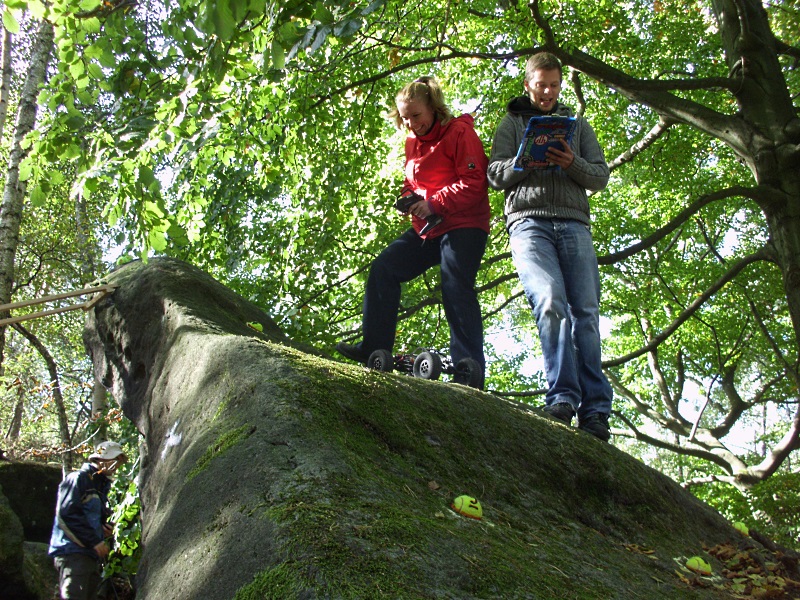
(224, 442)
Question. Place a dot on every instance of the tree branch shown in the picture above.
(735, 132)
(737, 268)
(659, 129)
(788, 443)
(675, 448)
(455, 54)
(757, 194)
(677, 425)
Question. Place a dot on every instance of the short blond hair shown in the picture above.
(542, 60)
(426, 89)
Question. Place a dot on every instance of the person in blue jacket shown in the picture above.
(81, 525)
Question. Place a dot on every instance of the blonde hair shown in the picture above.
(427, 90)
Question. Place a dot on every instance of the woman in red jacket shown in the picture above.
(446, 171)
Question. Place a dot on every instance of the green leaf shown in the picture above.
(257, 7)
(55, 177)
(323, 15)
(221, 21)
(38, 197)
(157, 240)
(25, 169)
(146, 176)
(89, 5)
(77, 69)
(91, 25)
(347, 28)
(108, 59)
(69, 151)
(75, 122)
(10, 22)
(95, 71)
(278, 55)
(36, 8)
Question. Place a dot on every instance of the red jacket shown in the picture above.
(447, 167)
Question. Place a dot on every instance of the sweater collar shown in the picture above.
(522, 105)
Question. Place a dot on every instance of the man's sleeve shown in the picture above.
(501, 173)
(589, 169)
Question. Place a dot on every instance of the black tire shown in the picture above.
(469, 372)
(427, 365)
(381, 360)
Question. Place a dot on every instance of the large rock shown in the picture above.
(28, 493)
(31, 489)
(12, 575)
(270, 472)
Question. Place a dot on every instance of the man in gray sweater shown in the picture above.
(547, 217)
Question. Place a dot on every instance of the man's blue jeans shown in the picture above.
(459, 253)
(557, 266)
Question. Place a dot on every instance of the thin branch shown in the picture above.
(676, 425)
(502, 56)
(787, 50)
(757, 194)
(576, 85)
(648, 140)
(499, 308)
(675, 448)
(790, 369)
(689, 311)
(106, 8)
(788, 443)
(702, 410)
(729, 479)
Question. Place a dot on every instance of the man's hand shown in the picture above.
(108, 530)
(102, 550)
(561, 157)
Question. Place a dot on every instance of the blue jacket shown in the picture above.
(81, 511)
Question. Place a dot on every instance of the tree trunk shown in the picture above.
(16, 419)
(14, 191)
(5, 81)
(58, 398)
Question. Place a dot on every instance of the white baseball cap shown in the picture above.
(108, 451)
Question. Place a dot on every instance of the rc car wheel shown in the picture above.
(428, 366)
(468, 372)
(380, 360)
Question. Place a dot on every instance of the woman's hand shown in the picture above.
(421, 209)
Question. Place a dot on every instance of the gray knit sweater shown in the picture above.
(548, 193)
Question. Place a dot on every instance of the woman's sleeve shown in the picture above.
(470, 187)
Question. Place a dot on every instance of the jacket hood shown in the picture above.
(522, 105)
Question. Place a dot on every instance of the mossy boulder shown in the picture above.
(272, 471)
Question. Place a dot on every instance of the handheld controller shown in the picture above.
(408, 199)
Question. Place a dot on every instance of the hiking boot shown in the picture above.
(597, 425)
(352, 351)
(562, 411)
